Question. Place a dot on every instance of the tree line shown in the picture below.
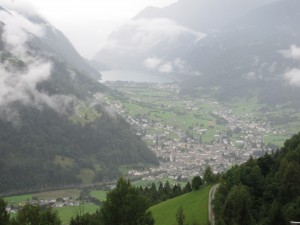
(30, 143)
(124, 205)
(28, 153)
(263, 191)
(156, 194)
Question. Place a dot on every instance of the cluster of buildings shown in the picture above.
(184, 156)
(54, 203)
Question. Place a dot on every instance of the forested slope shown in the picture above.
(263, 191)
(55, 129)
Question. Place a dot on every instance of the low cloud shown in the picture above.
(22, 6)
(177, 66)
(152, 63)
(293, 52)
(17, 31)
(22, 69)
(166, 68)
(250, 76)
(143, 34)
(292, 75)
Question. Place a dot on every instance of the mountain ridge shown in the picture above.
(55, 129)
(239, 54)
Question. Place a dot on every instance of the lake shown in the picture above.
(119, 75)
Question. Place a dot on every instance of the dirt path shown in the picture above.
(210, 199)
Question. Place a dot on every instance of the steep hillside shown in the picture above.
(52, 40)
(237, 48)
(257, 51)
(55, 130)
(153, 45)
(203, 15)
(160, 40)
(194, 204)
(263, 191)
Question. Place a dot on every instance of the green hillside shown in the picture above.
(262, 191)
(56, 132)
(194, 205)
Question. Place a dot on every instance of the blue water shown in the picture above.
(117, 75)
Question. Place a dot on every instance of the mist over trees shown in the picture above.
(53, 124)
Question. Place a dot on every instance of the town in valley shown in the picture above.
(187, 134)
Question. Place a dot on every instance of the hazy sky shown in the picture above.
(88, 22)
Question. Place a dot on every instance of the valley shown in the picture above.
(185, 113)
(189, 134)
(185, 133)
(65, 202)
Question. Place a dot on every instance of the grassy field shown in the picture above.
(64, 161)
(74, 193)
(87, 175)
(16, 200)
(99, 194)
(275, 139)
(66, 213)
(167, 108)
(84, 115)
(194, 204)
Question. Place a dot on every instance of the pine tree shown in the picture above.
(125, 205)
(180, 217)
(4, 215)
(196, 182)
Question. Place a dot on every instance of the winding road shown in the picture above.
(211, 196)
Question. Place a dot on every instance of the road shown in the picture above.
(210, 199)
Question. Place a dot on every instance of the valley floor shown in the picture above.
(188, 134)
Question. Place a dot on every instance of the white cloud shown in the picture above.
(293, 77)
(17, 30)
(177, 65)
(152, 63)
(293, 52)
(166, 68)
(250, 76)
(272, 68)
(19, 83)
(23, 6)
(181, 66)
(143, 34)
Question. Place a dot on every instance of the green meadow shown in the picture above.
(194, 204)
(16, 200)
(99, 194)
(170, 108)
(66, 213)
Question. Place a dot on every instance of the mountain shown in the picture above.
(255, 52)
(203, 15)
(55, 129)
(238, 48)
(149, 44)
(56, 43)
(158, 38)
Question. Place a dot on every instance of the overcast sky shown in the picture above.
(88, 22)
